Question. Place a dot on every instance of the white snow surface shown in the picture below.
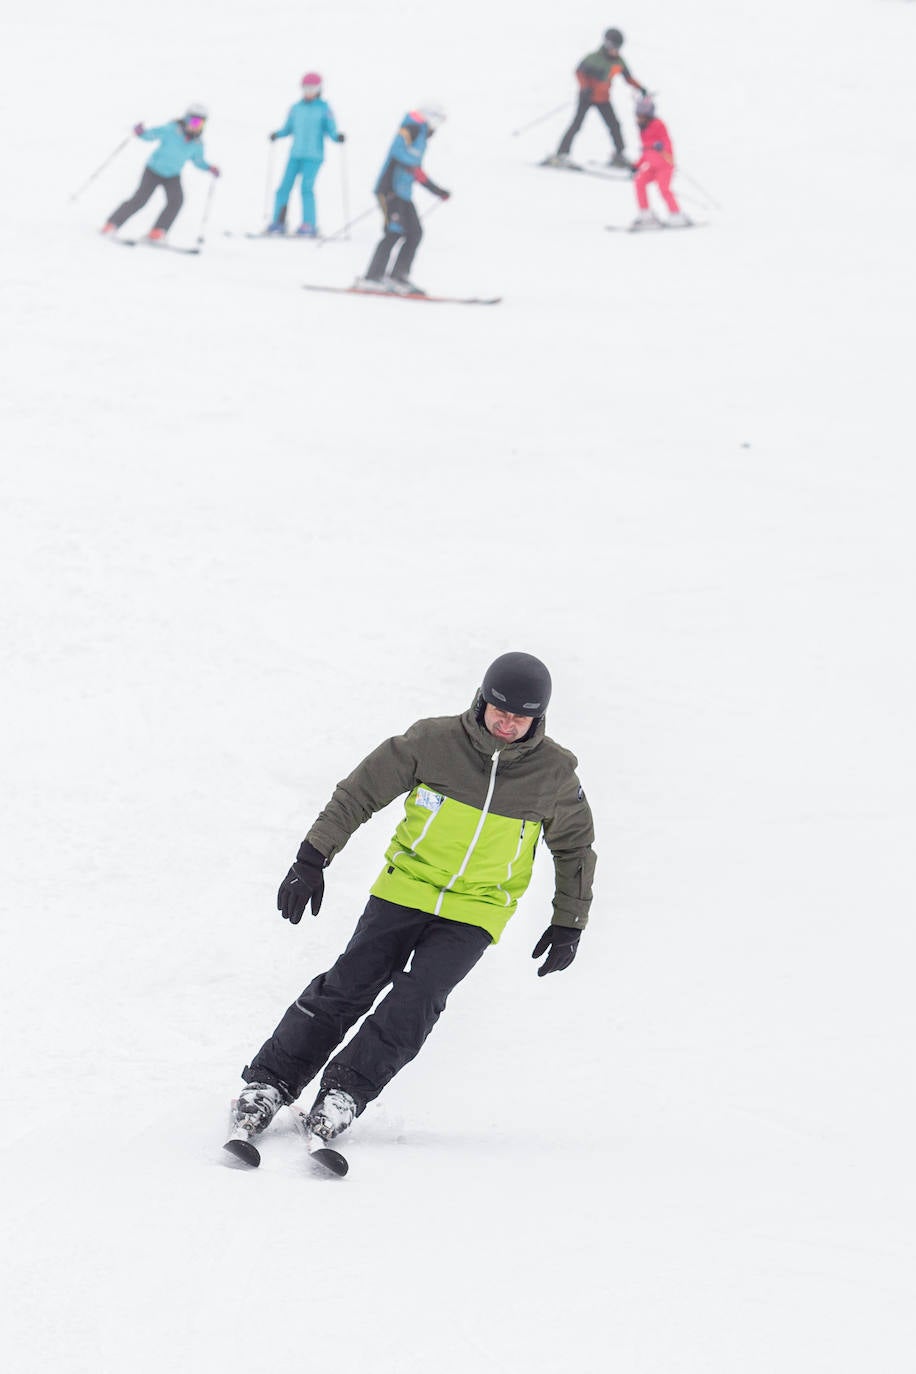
(248, 532)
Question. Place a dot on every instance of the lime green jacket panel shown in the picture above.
(431, 864)
(452, 758)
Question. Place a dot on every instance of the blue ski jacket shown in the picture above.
(174, 149)
(404, 159)
(309, 122)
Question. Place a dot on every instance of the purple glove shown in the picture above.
(214, 171)
(139, 128)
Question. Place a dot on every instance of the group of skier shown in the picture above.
(655, 164)
(310, 124)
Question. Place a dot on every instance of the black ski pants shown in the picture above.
(401, 222)
(606, 112)
(387, 939)
(149, 182)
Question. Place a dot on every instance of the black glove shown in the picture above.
(442, 193)
(273, 137)
(341, 138)
(561, 941)
(303, 881)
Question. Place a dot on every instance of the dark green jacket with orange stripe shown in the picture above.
(474, 812)
(596, 72)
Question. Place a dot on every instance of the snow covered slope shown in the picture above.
(247, 532)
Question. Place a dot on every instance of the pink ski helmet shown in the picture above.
(311, 85)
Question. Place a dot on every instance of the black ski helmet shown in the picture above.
(518, 683)
(613, 38)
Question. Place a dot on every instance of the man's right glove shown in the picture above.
(303, 882)
(561, 941)
(273, 137)
(139, 129)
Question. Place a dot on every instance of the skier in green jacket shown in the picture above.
(481, 788)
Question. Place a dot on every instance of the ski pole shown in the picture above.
(206, 214)
(540, 119)
(696, 185)
(98, 171)
(268, 185)
(344, 187)
(338, 233)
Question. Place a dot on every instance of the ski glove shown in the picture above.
(341, 138)
(561, 941)
(274, 137)
(139, 129)
(214, 171)
(304, 881)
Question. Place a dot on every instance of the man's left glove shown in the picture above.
(303, 882)
(214, 171)
(561, 941)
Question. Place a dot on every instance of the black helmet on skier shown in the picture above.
(518, 683)
(613, 38)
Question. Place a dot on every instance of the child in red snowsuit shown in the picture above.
(655, 164)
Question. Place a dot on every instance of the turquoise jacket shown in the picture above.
(174, 149)
(404, 158)
(309, 122)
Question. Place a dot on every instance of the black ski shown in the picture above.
(242, 1148)
(397, 296)
(160, 247)
(263, 234)
(602, 170)
(322, 1154)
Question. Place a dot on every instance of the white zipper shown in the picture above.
(476, 836)
(508, 878)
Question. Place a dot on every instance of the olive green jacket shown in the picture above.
(475, 810)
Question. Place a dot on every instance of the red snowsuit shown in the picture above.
(655, 164)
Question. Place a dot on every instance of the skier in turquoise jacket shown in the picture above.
(309, 122)
(179, 141)
(394, 190)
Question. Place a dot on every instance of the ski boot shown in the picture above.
(331, 1113)
(373, 285)
(400, 286)
(679, 220)
(306, 231)
(156, 236)
(645, 220)
(256, 1107)
(621, 160)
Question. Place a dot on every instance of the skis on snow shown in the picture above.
(160, 247)
(653, 228)
(242, 1147)
(398, 296)
(590, 169)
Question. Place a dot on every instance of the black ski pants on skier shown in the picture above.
(606, 112)
(387, 938)
(401, 222)
(149, 182)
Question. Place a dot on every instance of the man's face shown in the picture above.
(504, 726)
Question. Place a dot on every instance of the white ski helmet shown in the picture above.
(432, 113)
(196, 111)
(645, 107)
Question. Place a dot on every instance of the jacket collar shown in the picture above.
(486, 744)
